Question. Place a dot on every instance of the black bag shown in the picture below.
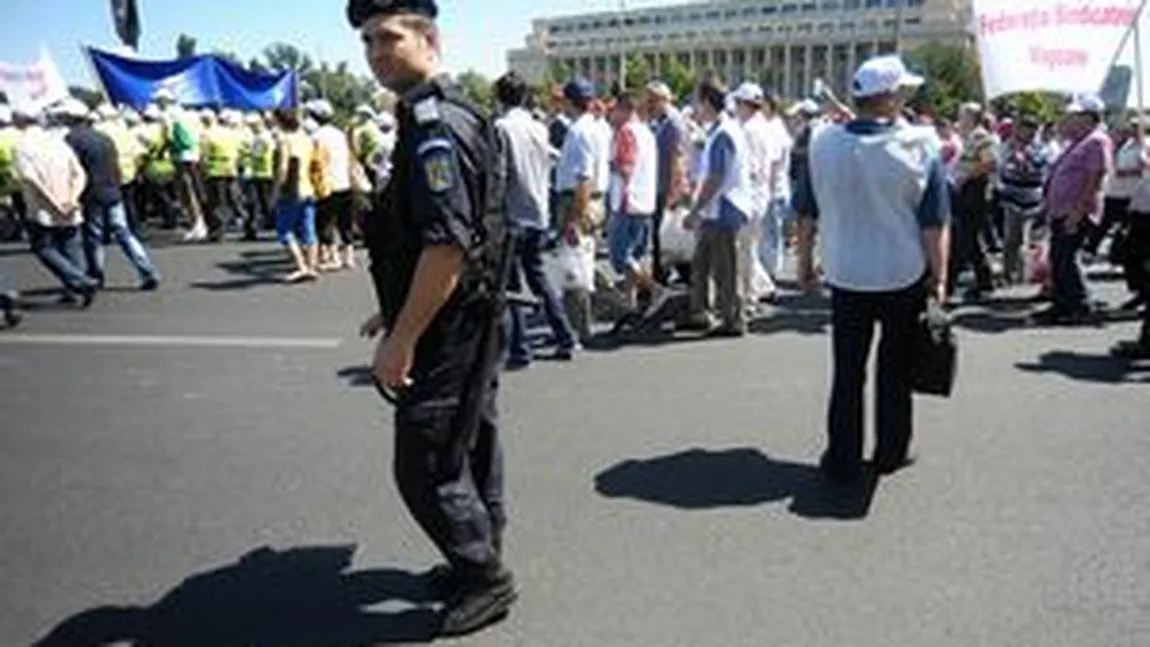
(935, 363)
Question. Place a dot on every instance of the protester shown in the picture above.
(528, 210)
(671, 183)
(764, 161)
(52, 181)
(632, 201)
(1136, 263)
(261, 176)
(295, 198)
(1118, 187)
(160, 192)
(877, 189)
(334, 210)
(182, 141)
(1073, 198)
(221, 147)
(721, 209)
(1021, 170)
(778, 219)
(972, 211)
(580, 202)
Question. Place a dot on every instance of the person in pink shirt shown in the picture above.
(951, 145)
(1073, 198)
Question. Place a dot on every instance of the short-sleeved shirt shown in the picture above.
(720, 158)
(1021, 170)
(97, 154)
(1066, 187)
(670, 138)
(578, 158)
(297, 150)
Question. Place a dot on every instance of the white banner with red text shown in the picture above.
(33, 86)
(1049, 45)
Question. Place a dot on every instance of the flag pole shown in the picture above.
(86, 54)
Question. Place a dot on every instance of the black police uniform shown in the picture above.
(448, 460)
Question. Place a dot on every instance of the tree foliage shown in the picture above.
(678, 77)
(952, 76)
(185, 46)
(636, 72)
(478, 88)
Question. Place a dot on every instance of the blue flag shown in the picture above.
(196, 81)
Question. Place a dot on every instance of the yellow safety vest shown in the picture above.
(129, 152)
(158, 164)
(221, 152)
(263, 154)
(9, 182)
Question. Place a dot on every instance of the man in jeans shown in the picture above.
(881, 244)
(528, 197)
(1074, 198)
(671, 143)
(102, 200)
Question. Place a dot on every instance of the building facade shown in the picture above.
(783, 44)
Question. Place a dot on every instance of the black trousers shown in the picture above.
(335, 212)
(260, 214)
(971, 227)
(853, 318)
(225, 204)
(449, 460)
(1115, 212)
(159, 197)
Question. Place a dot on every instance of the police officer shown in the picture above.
(439, 263)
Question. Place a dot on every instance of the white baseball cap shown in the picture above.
(883, 75)
(73, 108)
(804, 107)
(1084, 103)
(164, 94)
(320, 109)
(749, 92)
(5, 114)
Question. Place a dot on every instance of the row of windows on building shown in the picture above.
(768, 65)
(753, 11)
(786, 30)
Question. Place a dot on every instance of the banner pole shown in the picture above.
(86, 54)
(1138, 70)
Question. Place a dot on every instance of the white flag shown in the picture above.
(33, 87)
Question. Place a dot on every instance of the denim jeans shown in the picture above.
(530, 253)
(102, 222)
(853, 319)
(59, 250)
(1070, 294)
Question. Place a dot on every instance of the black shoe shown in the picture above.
(443, 581)
(1133, 304)
(12, 314)
(478, 605)
(889, 467)
(517, 364)
(566, 354)
(150, 285)
(839, 474)
(88, 296)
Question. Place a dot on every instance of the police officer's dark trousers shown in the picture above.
(448, 457)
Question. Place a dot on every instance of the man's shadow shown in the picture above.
(302, 597)
(699, 479)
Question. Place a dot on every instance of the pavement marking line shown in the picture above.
(30, 339)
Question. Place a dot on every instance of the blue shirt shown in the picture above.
(721, 156)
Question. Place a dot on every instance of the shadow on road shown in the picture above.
(356, 376)
(301, 597)
(254, 268)
(699, 479)
(1089, 367)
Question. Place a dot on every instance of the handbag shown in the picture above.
(934, 366)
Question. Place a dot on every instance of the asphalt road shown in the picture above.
(204, 466)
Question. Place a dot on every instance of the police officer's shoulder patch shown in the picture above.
(438, 166)
(426, 111)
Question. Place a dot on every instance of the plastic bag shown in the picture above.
(676, 242)
(572, 267)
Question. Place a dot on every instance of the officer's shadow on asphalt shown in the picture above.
(302, 597)
(699, 479)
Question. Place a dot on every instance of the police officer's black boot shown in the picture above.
(479, 602)
(444, 581)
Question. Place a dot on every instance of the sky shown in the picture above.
(477, 33)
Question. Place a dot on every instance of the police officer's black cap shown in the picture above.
(359, 11)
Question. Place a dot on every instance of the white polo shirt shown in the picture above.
(581, 156)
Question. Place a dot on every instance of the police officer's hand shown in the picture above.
(393, 360)
(372, 327)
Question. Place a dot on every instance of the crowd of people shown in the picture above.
(73, 179)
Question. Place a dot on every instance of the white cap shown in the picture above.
(309, 125)
(804, 107)
(152, 112)
(130, 117)
(164, 94)
(1088, 102)
(883, 75)
(320, 109)
(749, 92)
(5, 114)
(254, 119)
(73, 108)
(208, 115)
(660, 89)
(229, 117)
(107, 111)
(385, 120)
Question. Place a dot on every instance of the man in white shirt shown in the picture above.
(579, 200)
(764, 161)
(722, 207)
(774, 236)
(528, 212)
(334, 210)
(632, 199)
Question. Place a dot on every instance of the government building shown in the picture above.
(784, 44)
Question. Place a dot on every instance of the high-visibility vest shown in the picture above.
(221, 152)
(9, 181)
(129, 152)
(158, 164)
(263, 154)
(367, 140)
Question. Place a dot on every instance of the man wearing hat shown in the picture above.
(1074, 199)
(438, 261)
(221, 145)
(580, 205)
(103, 200)
(884, 251)
(764, 160)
